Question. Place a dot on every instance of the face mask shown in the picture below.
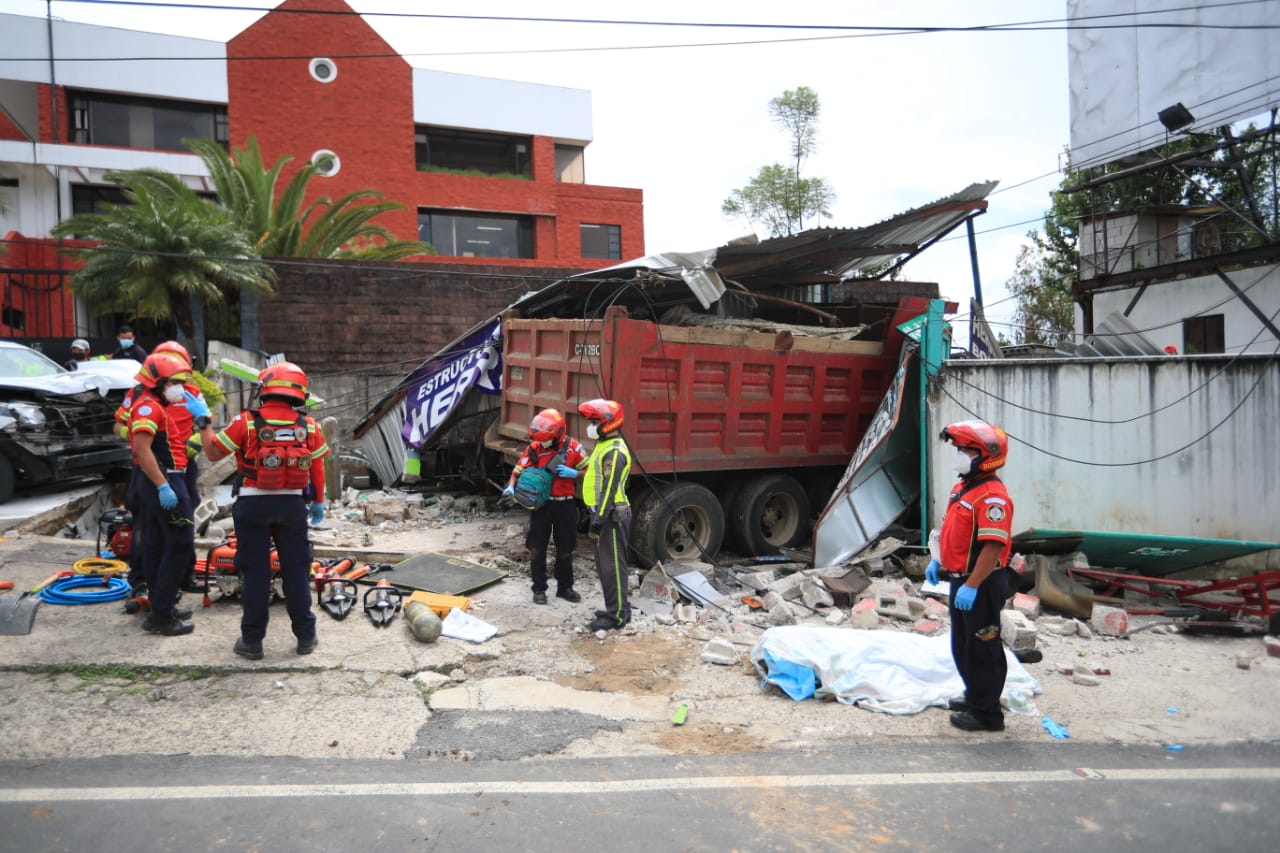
(125, 343)
(175, 393)
(80, 356)
(963, 463)
(548, 442)
(592, 432)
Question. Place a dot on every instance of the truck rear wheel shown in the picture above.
(677, 521)
(769, 513)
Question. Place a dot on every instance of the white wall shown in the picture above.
(1163, 306)
(504, 106)
(1121, 77)
(1208, 425)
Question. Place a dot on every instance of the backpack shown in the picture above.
(533, 486)
(277, 457)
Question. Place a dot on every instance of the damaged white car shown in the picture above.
(56, 424)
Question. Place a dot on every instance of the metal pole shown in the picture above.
(931, 356)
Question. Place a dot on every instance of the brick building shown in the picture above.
(490, 171)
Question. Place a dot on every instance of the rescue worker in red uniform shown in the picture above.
(280, 454)
(604, 491)
(974, 546)
(184, 425)
(160, 461)
(558, 517)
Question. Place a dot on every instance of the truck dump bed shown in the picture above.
(700, 399)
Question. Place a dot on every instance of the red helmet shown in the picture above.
(989, 440)
(608, 413)
(285, 379)
(547, 425)
(174, 347)
(160, 367)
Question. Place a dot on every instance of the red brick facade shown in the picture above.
(365, 116)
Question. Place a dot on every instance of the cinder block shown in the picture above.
(1017, 631)
(1026, 604)
(1109, 621)
(864, 619)
(900, 607)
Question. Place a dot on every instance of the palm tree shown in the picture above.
(281, 227)
(165, 247)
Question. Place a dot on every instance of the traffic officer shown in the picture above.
(160, 460)
(604, 491)
(559, 515)
(974, 545)
(279, 452)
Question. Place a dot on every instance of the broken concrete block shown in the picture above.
(1109, 621)
(1084, 679)
(1244, 662)
(836, 617)
(721, 651)
(757, 580)
(380, 509)
(1083, 630)
(1057, 625)
(788, 586)
(1026, 604)
(657, 585)
(864, 619)
(900, 607)
(685, 613)
(926, 626)
(1017, 631)
(771, 600)
(885, 586)
(783, 614)
(1272, 645)
(815, 595)
(933, 608)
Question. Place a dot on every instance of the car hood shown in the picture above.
(64, 384)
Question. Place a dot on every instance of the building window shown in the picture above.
(470, 151)
(476, 235)
(601, 241)
(1204, 334)
(326, 162)
(144, 122)
(569, 168)
(86, 198)
(323, 69)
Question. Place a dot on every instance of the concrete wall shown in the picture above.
(1179, 446)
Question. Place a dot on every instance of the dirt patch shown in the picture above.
(709, 739)
(643, 664)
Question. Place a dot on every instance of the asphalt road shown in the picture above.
(980, 797)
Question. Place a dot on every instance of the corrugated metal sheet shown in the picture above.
(1160, 445)
(837, 254)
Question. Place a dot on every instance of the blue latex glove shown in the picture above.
(317, 513)
(196, 405)
(168, 498)
(1054, 729)
(965, 596)
(931, 573)
(509, 491)
(566, 472)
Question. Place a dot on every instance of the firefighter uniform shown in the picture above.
(556, 519)
(979, 510)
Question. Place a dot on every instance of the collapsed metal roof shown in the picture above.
(838, 254)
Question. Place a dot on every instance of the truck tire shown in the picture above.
(676, 521)
(769, 513)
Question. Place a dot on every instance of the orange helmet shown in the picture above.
(547, 425)
(607, 413)
(174, 347)
(159, 367)
(285, 379)
(989, 440)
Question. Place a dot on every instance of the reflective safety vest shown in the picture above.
(608, 468)
(276, 457)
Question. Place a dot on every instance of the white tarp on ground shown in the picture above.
(885, 671)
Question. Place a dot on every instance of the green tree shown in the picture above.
(279, 226)
(161, 249)
(778, 197)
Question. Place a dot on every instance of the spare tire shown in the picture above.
(676, 521)
(769, 513)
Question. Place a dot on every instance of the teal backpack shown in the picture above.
(533, 486)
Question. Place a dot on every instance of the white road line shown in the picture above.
(629, 786)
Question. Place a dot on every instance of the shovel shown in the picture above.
(18, 614)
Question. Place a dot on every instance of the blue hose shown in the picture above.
(108, 589)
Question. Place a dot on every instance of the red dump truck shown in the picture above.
(738, 435)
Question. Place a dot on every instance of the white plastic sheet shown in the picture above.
(885, 671)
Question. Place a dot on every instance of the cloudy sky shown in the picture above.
(682, 111)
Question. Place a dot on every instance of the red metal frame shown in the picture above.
(1255, 595)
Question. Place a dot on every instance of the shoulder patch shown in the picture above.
(995, 512)
(994, 500)
(144, 410)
